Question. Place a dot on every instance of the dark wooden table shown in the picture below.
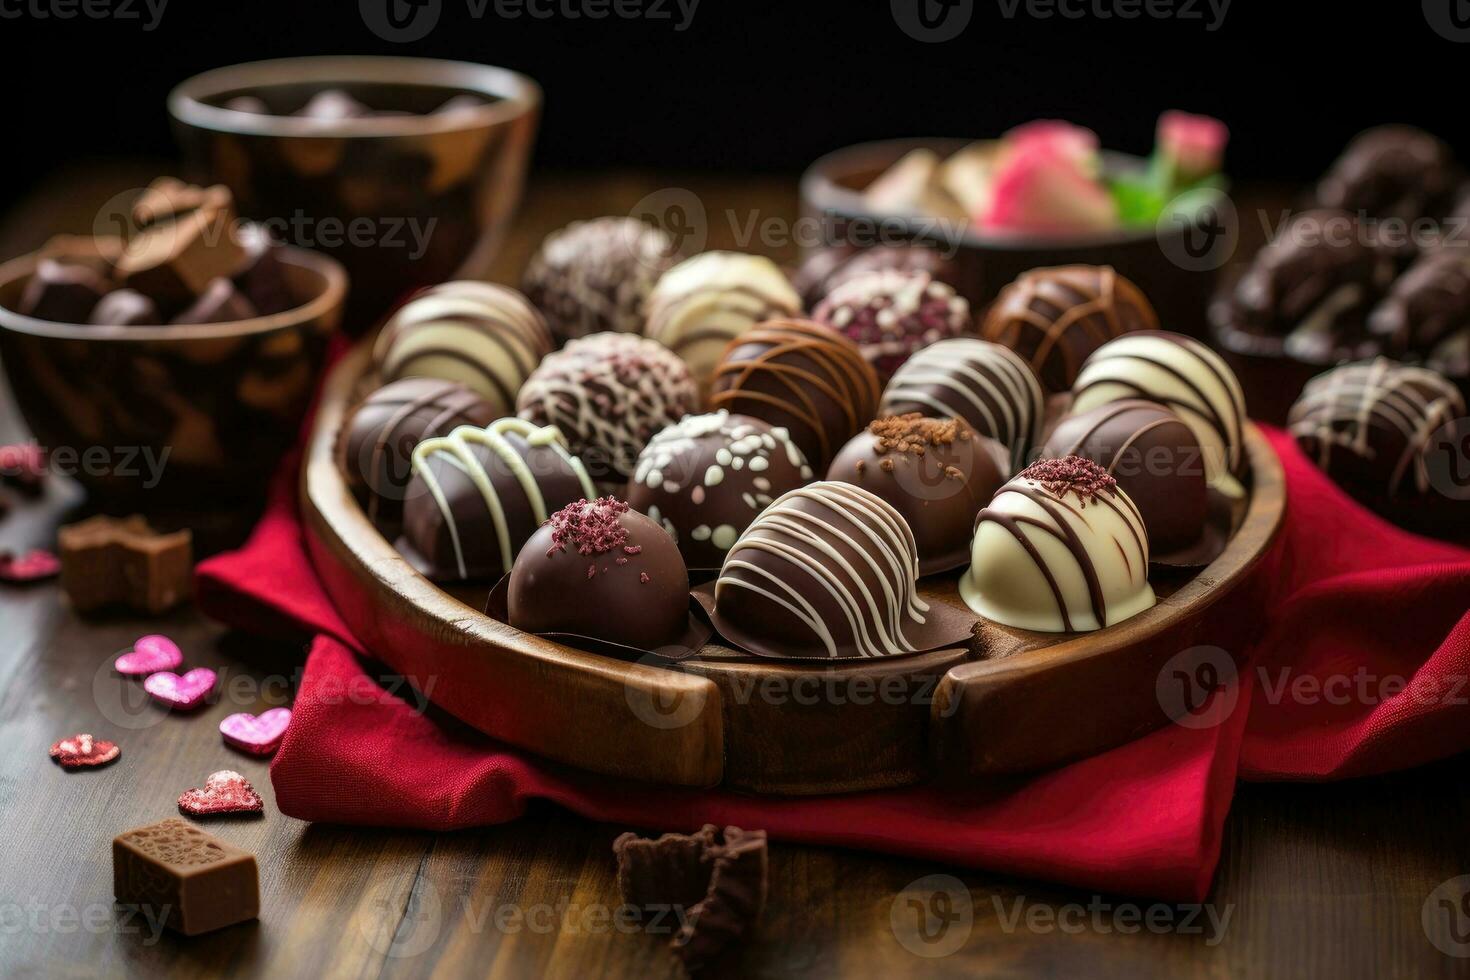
(1315, 880)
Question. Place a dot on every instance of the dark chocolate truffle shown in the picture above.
(803, 377)
(891, 314)
(477, 495)
(487, 337)
(827, 268)
(1156, 460)
(376, 446)
(937, 473)
(609, 393)
(1425, 306)
(705, 479)
(62, 292)
(1060, 549)
(1186, 376)
(987, 385)
(1055, 317)
(595, 276)
(1391, 172)
(1313, 284)
(1370, 425)
(602, 570)
(826, 571)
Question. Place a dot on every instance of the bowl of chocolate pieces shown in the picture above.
(407, 170)
(174, 359)
(977, 214)
(1376, 265)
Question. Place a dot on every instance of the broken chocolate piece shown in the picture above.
(125, 308)
(62, 292)
(192, 880)
(220, 302)
(668, 871)
(108, 561)
(262, 278)
(186, 239)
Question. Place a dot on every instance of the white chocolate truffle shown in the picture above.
(487, 337)
(1182, 374)
(1060, 549)
(703, 303)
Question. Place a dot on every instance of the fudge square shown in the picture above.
(195, 882)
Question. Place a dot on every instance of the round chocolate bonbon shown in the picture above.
(595, 276)
(890, 314)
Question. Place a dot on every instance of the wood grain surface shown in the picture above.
(1326, 881)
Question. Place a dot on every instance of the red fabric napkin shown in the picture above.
(1341, 589)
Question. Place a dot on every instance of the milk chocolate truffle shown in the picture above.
(702, 304)
(891, 314)
(1055, 317)
(1182, 374)
(987, 385)
(376, 446)
(600, 569)
(825, 269)
(1060, 549)
(829, 570)
(937, 473)
(487, 337)
(595, 276)
(1156, 460)
(609, 393)
(1370, 425)
(477, 495)
(1391, 172)
(803, 377)
(1313, 285)
(705, 479)
(1426, 306)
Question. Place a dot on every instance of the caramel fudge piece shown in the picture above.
(194, 881)
(109, 561)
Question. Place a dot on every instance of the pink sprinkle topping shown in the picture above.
(633, 549)
(643, 577)
(1071, 473)
(592, 527)
(591, 570)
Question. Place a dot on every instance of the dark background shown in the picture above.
(764, 85)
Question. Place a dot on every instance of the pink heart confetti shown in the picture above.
(32, 566)
(225, 791)
(184, 693)
(257, 734)
(76, 751)
(149, 655)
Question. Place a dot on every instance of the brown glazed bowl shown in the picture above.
(1167, 263)
(429, 196)
(223, 401)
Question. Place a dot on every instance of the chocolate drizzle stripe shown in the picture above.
(456, 404)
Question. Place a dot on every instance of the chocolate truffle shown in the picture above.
(803, 377)
(1312, 284)
(1182, 374)
(376, 446)
(1370, 425)
(477, 495)
(827, 268)
(987, 385)
(1426, 305)
(1060, 549)
(609, 393)
(602, 570)
(891, 314)
(1156, 460)
(62, 292)
(595, 276)
(1056, 317)
(705, 479)
(1391, 172)
(937, 473)
(487, 337)
(185, 239)
(829, 570)
(703, 303)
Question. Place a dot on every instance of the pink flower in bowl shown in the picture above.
(1191, 147)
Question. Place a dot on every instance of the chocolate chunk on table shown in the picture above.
(192, 880)
(186, 240)
(109, 561)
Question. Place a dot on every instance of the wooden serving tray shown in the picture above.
(1014, 702)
